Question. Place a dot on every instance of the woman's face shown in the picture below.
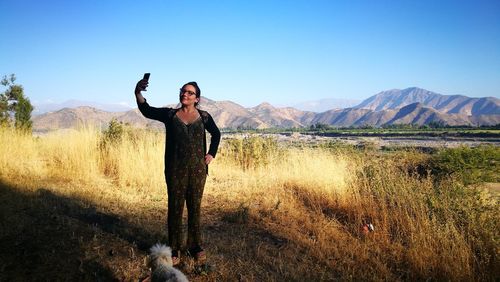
(187, 96)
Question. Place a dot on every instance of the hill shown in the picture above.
(449, 104)
(408, 106)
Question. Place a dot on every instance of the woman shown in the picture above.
(186, 162)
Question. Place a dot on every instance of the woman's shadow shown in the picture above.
(51, 237)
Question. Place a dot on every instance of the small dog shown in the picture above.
(160, 262)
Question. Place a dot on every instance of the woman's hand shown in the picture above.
(141, 86)
(208, 158)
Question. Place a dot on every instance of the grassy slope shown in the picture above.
(74, 208)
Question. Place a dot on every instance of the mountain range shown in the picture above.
(325, 104)
(50, 106)
(408, 106)
(449, 104)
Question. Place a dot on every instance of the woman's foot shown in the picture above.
(200, 257)
(176, 259)
(198, 254)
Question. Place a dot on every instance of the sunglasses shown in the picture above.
(182, 91)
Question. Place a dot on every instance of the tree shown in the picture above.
(15, 108)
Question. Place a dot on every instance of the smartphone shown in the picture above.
(146, 76)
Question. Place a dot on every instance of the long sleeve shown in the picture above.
(214, 131)
(159, 114)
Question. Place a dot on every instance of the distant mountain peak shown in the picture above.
(451, 104)
(411, 105)
(50, 106)
(326, 104)
(204, 99)
(414, 88)
(264, 105)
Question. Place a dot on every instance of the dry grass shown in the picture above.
(93, 206)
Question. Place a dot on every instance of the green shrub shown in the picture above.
(338, 146)
(470, 165)
(114, 133)
(252, 152)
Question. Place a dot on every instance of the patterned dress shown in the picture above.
(185, 182)
(185, 169)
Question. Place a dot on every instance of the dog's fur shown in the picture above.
(160, 261)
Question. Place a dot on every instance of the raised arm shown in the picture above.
(159, 114)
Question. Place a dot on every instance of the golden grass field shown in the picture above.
(79, 206)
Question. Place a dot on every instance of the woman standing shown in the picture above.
(186, 162)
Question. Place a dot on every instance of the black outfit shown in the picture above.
(185, 169)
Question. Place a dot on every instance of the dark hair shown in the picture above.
(195, 85)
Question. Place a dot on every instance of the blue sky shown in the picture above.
(281, 52)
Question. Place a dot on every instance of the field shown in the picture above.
(86, 205)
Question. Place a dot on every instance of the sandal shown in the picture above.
(198, 254)
(175, 258)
